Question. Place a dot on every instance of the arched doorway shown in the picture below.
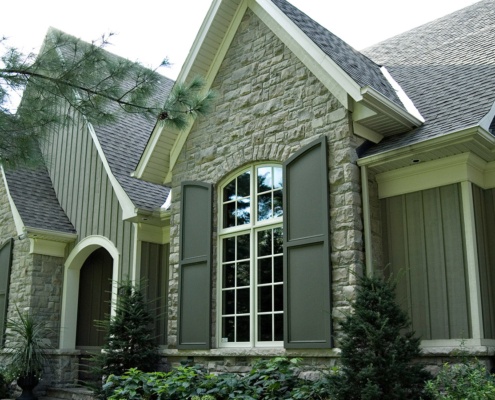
(95, 290)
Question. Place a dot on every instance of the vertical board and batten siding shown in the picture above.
(424, 251)
(154, 274)
(484, 211)
(85, 191)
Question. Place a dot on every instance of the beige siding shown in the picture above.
(154, 273)
(84, 189)
(424, 251)
(484, 208)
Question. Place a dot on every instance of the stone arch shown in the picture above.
(70, 295)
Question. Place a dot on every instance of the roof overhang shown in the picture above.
(208, 51)
(474, 140)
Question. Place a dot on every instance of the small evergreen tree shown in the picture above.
(376, 355)
(129, 341)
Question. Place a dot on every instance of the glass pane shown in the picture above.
(228, 249)
(243, 247)
(243, 211)
(243, 329)
(278, 269)
(229, 191)
(243, 274)
(228, 329)
(277, 180)
(278, 211)
(264, 206)
(229, 215)
(265, 270)
(244, 184)
(279, 297)
(279, 326)
(265, 299)
(242, 301)
(264, 327)
(278, 237)
(228, 275)
(228, 302)
(264, 243)
(264, 179)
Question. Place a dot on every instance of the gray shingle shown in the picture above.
(35, 199)
(447, 68)
(360, 68)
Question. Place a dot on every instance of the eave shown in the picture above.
(475, 140)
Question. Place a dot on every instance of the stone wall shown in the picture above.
(268, 106)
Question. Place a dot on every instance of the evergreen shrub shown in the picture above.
(378, 349)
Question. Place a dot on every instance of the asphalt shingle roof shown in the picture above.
(35, 199)
(447, 68)
(359, 67)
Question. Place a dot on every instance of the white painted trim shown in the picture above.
(403, 97)
(47, 247)
(128, 208)
(70, 294)
(366, 133)
(19, 225)
(136, 254)
(441, 172)
(153, 233)
(473, 276)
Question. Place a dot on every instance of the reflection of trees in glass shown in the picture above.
(269, 186)
(237, 201)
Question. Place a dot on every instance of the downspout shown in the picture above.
(368, 248)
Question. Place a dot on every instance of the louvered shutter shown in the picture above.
(195, 266)
(307, 270)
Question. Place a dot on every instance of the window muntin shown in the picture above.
(251, 259)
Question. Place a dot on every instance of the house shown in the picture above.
(317, 163)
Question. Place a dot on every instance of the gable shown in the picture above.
(372, 109)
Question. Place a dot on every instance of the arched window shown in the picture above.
(251, 258)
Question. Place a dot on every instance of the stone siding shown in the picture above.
(268, 106)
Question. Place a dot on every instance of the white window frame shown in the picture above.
(252, 228)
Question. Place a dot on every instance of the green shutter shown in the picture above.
(5, 262)
(307, 267)
(195, 265)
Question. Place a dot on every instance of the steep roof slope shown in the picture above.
(359, 67)
(447, 67)
(123, 142)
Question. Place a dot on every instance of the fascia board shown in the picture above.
(336, 80)
(379, 102)
(51, 235)
(19, 225)
(438, 142)
(128, 209)
(140, 171)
